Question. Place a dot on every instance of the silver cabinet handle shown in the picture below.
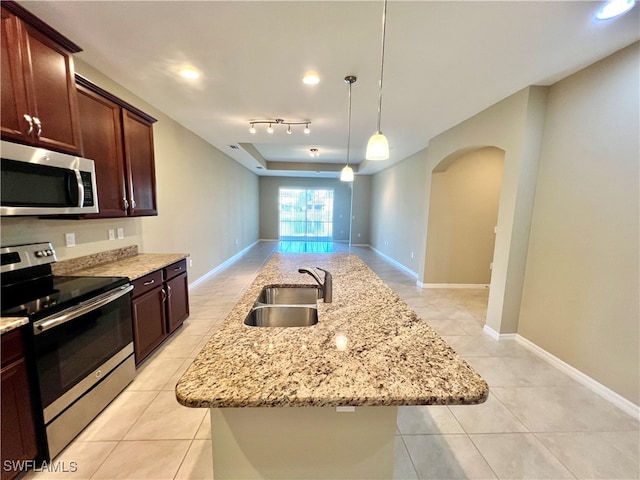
(133, 203)
(169, 290)
(150, 282)
(36, 120)
(126, 202)
(30, 122)
(177, 269)
(164, 295)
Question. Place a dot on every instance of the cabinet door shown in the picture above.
(101, 129)
(51, 92)
(177, 301)
(138, 144)
(18, 426)
(14, 100)
(149, 327)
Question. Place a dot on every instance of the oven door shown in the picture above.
(77, 347)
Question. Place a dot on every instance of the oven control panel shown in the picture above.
(17, 257)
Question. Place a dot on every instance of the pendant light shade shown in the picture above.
(378, 146)
(346, 175)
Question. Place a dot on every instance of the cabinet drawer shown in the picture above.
(175, 269)
(147, 283)
(12, 347)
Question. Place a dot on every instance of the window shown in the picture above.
(306, 215)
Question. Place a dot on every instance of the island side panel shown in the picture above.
(303, 443)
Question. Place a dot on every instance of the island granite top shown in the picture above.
(367, 349)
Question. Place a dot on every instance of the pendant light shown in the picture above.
(378, 146)
(346, 175)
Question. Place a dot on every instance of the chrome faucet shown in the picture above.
(326, 286)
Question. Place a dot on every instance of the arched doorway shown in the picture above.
(463, 214)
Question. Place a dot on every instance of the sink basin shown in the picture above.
(282, 316)
(280, 295)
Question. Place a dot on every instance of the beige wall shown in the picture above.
(207, 202)
(462, 217)
(361, 210)
(269, 203)
(580, 298)
(515, 126)
(398, 218)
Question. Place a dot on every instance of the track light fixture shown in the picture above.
(346, 175)
(278, 121)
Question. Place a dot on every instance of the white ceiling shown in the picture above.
(444, 62)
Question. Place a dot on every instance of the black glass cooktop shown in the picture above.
(45, 296)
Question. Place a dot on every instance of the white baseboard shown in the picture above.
(593, 385)
(453, 285)
(394, 262)
(222, 266)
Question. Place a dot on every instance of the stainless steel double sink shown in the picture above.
(285, 306)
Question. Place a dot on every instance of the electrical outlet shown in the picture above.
(411, 254)
(190, 263)
(120, 233)
(70, 239)
(112, 234)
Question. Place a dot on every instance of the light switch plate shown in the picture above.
(112, 234)
(120, 233)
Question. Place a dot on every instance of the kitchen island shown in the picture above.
(369, 350)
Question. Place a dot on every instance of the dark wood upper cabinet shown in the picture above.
(102, 143)
(39, 104)
(119, 139)
(140, 162)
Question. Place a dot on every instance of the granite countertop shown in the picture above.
(367, 349)
(11, 323)
(134, 266)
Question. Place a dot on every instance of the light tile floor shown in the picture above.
(537, 423)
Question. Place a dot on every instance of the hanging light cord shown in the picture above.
(384, 28)
(349, 122)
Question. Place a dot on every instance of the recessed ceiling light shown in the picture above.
(190, 73)
(311, 78)
(614, 8)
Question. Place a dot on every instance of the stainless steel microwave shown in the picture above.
(35, 181)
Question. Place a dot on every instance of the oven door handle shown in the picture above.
(79, 310)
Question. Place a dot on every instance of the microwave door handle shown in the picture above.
(79, 310)
(75, 188)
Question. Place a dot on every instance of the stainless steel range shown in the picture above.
(79, 340)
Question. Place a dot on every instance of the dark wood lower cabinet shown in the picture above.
(149, 325)
(19, 442)
(177, 301)
(159, 305)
